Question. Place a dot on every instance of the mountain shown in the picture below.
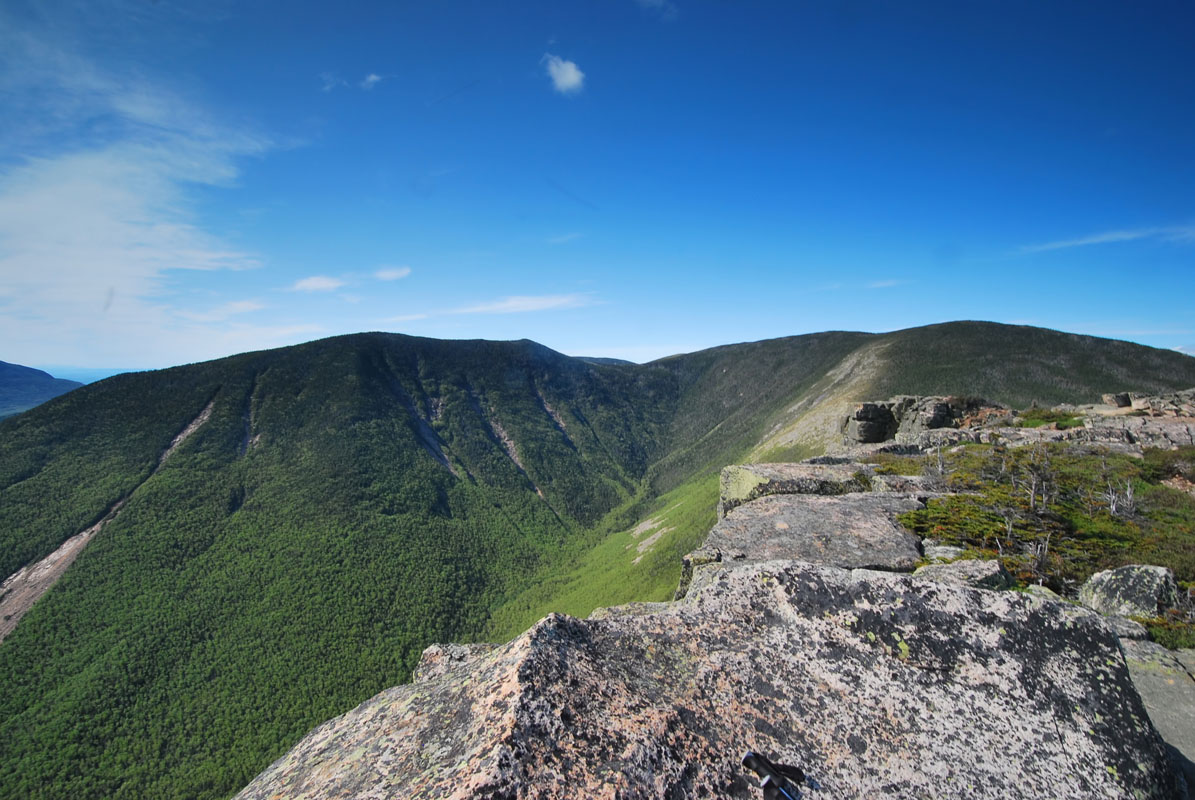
(22, 388)
(276, 536)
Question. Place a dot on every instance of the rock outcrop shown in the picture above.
(743, 483)
(1161, 421)
(906, 417)
(1174, 404)
(877, 684)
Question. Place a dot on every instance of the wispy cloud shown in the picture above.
(96, 214)
(884, 284)
(330, 81)
(1179, 233)
(520, 304)
(665, 8)
(392, 273)
(316, 283)
(223, 312)
(564, 238)
(1186, 349)
(515, 304)
(567, 77)
(371, 80)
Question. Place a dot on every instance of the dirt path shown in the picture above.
(26, 586)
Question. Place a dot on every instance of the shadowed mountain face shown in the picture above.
(346, 502)
(22, 388)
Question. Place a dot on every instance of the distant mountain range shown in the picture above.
(284, 531)
(22, 388)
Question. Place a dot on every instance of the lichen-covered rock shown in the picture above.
(440, 658)
(690, 563)
(985, 574)
(1137, 590)
(877, 685)
(742, 483)
(1167, 687)
(852, 530)
(935, 551)
(1125, 628)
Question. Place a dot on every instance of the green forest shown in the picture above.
(352, 500)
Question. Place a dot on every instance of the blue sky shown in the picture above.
(628, 178)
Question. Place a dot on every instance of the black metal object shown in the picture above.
(778, 781)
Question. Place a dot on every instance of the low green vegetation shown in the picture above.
(1054, 514)
(640, 564)
(1040, 417)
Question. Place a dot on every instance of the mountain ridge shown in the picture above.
(22, 388)
(353, 499)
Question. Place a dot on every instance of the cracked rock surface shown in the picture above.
(849, 531)
(876, 684)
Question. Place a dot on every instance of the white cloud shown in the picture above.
(371, 80)
(564, 238)
(316, 283)
(886, 284)
(407, 318)
(520, 304)
(1179, 233)
(392, 273)
(566, 77)
(1186, 349)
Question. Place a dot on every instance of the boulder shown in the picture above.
(1164, 681)
(1118, 400)
(853, 530)
(1134, 591)
(871, 422)
(875, 684)
(742, 483)
(981, 573)
(934, 551)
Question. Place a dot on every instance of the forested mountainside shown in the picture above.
(22, 388)
(329, 509)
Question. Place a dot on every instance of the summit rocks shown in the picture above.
(875, 683)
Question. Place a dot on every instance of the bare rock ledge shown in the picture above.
(877, 684)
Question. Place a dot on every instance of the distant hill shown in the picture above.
(329, 509)
(22, 388)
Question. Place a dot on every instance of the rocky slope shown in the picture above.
(875, 683)
(1127, 422)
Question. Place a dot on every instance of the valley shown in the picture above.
(335, 507)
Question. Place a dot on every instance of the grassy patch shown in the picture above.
(616, 570)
